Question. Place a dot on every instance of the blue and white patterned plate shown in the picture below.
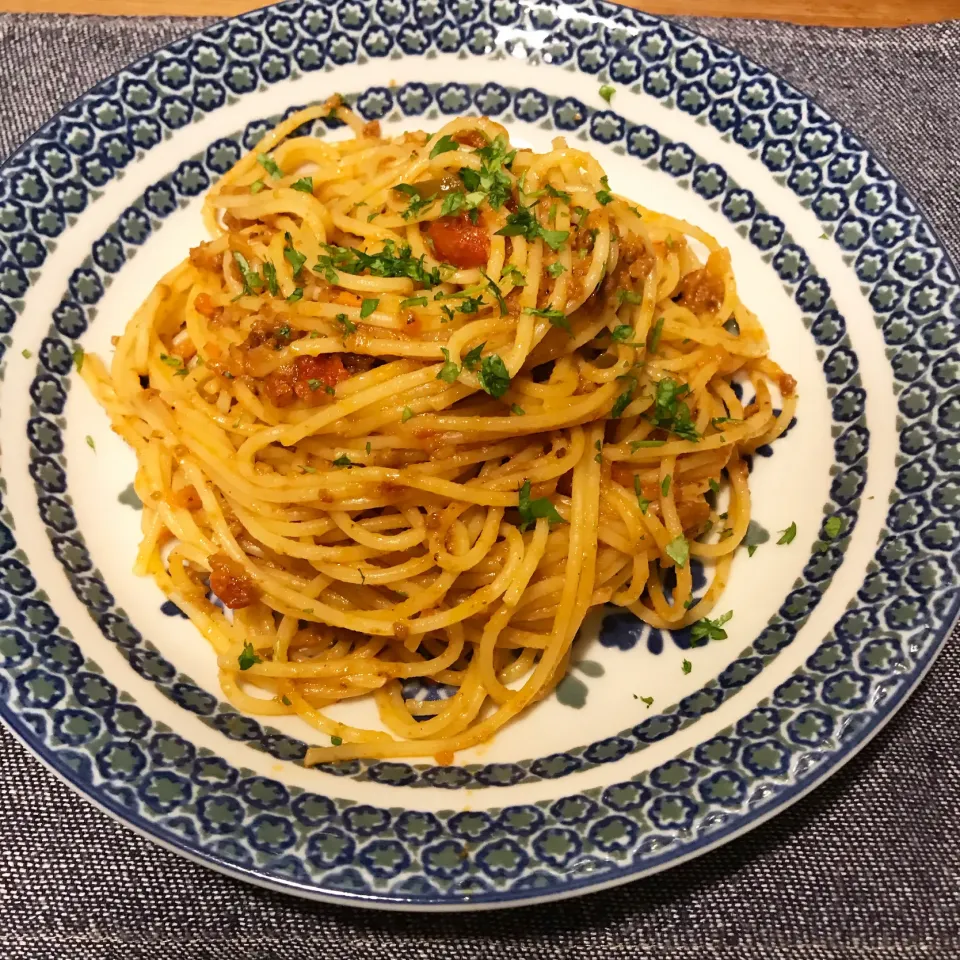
(633, 765)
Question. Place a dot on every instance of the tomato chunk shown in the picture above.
(458, 241)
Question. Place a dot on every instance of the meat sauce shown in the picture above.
(471, 138)
(458, 241)
(230, 583)
(305, 379)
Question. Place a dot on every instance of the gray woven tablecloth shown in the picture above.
(867, 866)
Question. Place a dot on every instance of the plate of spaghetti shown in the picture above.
(459, 493)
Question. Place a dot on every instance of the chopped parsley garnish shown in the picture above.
(751, 549)
(789, 534)
(304, 185)
(607, 92)
(336, 741)
(686, 666)
(270, 273)
(343, 461)
(714, 486)
(513, 274)
(533, 510)
(252, 281)
(555, 269)
(413, 302)
(493, 375)
(91, 444)
(295, 296)
(285, 700)
(26, 354)
(348, 325)
(369, 447)
(670, 412)
(646, 700)
(367, 307)
(636, 445)
(524, 224)
(170, 361)
(270, 165)
(557, 317)
(78, 357)
(623, 401)
(257, 186)
(704, 630)
(497, 294)
(407, 414)
(388, 262)
(665, 486)
(655, 335)
(449, 371)
(248, 657)
(717, 422)
(314, 384)
(452, 204)
(470, 304)
(622, 332)
(491, 181)
(604, 196)
(444, 145)
(517, 410)
(642, 501)
(628, 296)
(292, 255)
(418, 202)
(472, 357)
(832, 527)
(599, 448)
(678, 550)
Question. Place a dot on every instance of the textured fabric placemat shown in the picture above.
(868, 866)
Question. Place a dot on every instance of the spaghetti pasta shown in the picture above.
(418, 406)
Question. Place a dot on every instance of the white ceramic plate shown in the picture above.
(115, 691)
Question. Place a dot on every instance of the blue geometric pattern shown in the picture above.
(88, 730)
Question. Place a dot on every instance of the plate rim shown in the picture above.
(621, 874)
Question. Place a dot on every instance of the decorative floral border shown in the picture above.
(877, 651)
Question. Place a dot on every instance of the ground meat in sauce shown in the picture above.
(458, 241)
(204, 258)
(788, 385)
(204, 305)
(230, 583)
(471, 138)
(701, 291)
(304, 379)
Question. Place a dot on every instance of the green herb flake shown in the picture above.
(336, 741)
(78, 357)
(636, 445)
(270, 165)
(91, 444)
(304, 185)
(449, 371)
(555, 269)
(533, 510)
(26, 354)
(285, 700)
(607, 92)
(622, 333)
(444, 145)
(655, 336)
(369, 448)
(270, 274)
(686, 666)
(407, 414)
(642, 501)
(295, 258)
(705, 630)
(751, 549)
(472, 357)
(248, 657)
(622, 402)
(413, 302)
(367, 307)
(628, 296)
(646, 700)
(348, 325)
(257, 186)
(557, 317)
(452, 204)
(494, 377)
(665, 486)
(678, 550)
(789, 534)
(294, 297)
(343, 461)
